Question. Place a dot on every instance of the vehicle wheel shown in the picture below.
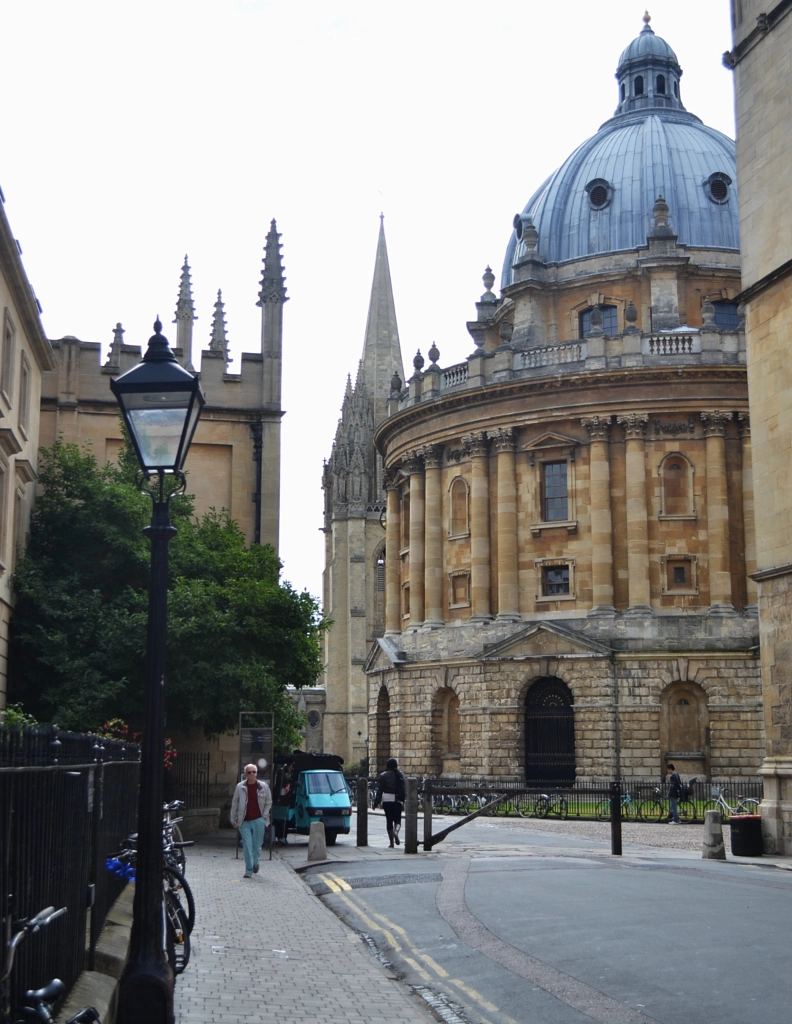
(603, 811)
(628, 811)
(562, 808)
(177, 935)
(652, 810)
(542, 807)
(331, 835)
(176, 884)
(525, 806)
(687, 812)
(713, 805)
(748, 806)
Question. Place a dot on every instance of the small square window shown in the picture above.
(680, 575)
(555, 579)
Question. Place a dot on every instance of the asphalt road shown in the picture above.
(504, 924)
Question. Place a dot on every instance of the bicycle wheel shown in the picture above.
(603, 811)
(175, 883)
(629, 810)
(687, 812)
(505, 808)
(714, 805)
(652, 810)
(525, 806)
(748, 806)
(560, 808)
(542, 806)
(177, 935)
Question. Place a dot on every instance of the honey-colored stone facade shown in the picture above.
(762, 37)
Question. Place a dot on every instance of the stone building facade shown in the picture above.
(762, 37)
(569, 550)
(234, 460)
(25, 355)
(354, 575)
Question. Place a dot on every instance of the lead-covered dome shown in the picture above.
(600, 200)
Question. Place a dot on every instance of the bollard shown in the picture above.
(712, 847)
(411, 817)
(317, 844)
(362, 811)
(616, 820)
(427, 808)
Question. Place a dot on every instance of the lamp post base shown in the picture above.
(145, 994)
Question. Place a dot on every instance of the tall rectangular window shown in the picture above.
(8, 358)
(24, 395)
(555, 495)
(555, 580)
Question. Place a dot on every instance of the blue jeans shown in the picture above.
(252, 833)
(673, 802)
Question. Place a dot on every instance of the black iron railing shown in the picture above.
(187, 779)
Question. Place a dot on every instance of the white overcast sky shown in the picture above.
(135, 133)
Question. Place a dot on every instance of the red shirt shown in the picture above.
(252, 811)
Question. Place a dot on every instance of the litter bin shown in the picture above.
(746, 835)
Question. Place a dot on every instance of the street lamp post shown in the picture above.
(160, 402)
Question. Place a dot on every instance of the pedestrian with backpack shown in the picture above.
(674, 793)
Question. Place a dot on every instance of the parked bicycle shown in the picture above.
(39, 1003)
(549, 805)
(658, 809)
(629, 809)
(744, 805)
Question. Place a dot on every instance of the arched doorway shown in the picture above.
(383, 729)
(549, 731)
(446, 740)
(685, 729)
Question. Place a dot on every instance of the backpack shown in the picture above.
(687, 788)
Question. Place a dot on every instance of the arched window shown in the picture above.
(623, 92)
(459, 508)
(726, 315)
(610, 321)
(676, 476)
(379, 592)
(660, 85)
(639, 85)
(676, 90)
(382, 729)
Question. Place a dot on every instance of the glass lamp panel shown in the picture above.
(157, 422)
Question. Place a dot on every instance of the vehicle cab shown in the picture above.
(309, 788)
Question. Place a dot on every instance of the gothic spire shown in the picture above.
(114, 354)
(381, 350)
(273, 283)
(185, 316)
(219, 340)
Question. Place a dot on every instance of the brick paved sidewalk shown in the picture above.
(266, 949)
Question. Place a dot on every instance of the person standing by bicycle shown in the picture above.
(391, 791)
(250, 811)
(674, 793)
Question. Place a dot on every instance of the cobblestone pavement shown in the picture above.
(266, 949)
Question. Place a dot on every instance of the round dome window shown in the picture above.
(717, 187)
(599, 193)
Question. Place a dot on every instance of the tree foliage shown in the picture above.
(237, 634)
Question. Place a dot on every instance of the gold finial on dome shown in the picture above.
(647, 18)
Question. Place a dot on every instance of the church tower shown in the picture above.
(354, 576)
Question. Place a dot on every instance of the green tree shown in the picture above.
(237, 634)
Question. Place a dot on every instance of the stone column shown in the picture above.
(479, 527)
(717, 512)
(637, 524)
(508, 609)
(749, 518)
(414, 466)
(601, 521)
(392, 556)
(433, 458)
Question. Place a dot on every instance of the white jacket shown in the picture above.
(239, 803)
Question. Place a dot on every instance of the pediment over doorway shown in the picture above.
(551, 439)
(542, 640)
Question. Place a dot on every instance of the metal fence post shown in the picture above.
(427, 809)
(411, 817)
(362, 811)
(616, 821)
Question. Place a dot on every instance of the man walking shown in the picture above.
(674, 793)
(250, 811)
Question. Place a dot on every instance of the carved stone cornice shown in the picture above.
(715, 422)
(634, 425)
(598, 427)
(504, 439)
(476, 444)
(744, 425)
(432, 455)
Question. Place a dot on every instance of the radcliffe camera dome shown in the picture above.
(600, 200)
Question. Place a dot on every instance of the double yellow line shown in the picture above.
(398, 940)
